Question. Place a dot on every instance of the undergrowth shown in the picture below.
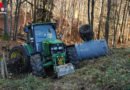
(5, 37)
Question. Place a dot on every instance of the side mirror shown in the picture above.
(26, 29)
(32, 39)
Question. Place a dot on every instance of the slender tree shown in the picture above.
(6, 25)
(100, 20)
(117, 23)
(34, 14)
(17, 12)
(11, 17)
(123, 22)
(89, 12)
(107, 20)
(92, 14)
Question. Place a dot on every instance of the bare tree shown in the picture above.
(107, 20)
(11, 17)
(100, 20)
(16, 19)
(92, 13)
(34, 15)
(6, 25)
(117, 23)
(89, 11)
(123, 21)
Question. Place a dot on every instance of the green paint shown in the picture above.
(45, 47)
(29, 48)
(52, 41)
(47, 64)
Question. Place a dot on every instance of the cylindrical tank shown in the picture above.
(91, 49)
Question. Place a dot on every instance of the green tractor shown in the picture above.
(42, 50)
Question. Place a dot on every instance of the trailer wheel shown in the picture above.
(18, 60)
(72, 56)
(86, 32)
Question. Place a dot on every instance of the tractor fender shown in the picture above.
(26, 50)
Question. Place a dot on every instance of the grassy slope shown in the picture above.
(109, 72)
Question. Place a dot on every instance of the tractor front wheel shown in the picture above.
(18, 60)
(72, 56)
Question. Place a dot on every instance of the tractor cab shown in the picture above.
(37, 33)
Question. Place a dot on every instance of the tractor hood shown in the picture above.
(52, 41)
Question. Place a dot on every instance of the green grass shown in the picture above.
(5, 37)
(108, 72)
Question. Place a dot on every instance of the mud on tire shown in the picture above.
(19, 62)
(36, 64)
(72, 56)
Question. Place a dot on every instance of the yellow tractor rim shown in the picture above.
(14, 54)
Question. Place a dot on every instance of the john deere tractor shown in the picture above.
(42, 50)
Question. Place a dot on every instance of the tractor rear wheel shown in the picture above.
(18, 60)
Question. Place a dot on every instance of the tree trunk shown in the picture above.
(123, 21)
(114, 22)
(117, 24)
(92, 13)
(107, 20)
(11, 17)
(89, 11)
(34, 15)
(6, 25)
(25, 15)
(100, 21)
(17, 23)
(15, 19)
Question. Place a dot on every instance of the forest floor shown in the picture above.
(108, 72)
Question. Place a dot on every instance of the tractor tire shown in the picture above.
(72, 56)
(36, 64)
(18, 60)
(86, 32)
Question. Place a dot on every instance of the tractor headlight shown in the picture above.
(55, 48)
(52, 48)
(60, 48)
